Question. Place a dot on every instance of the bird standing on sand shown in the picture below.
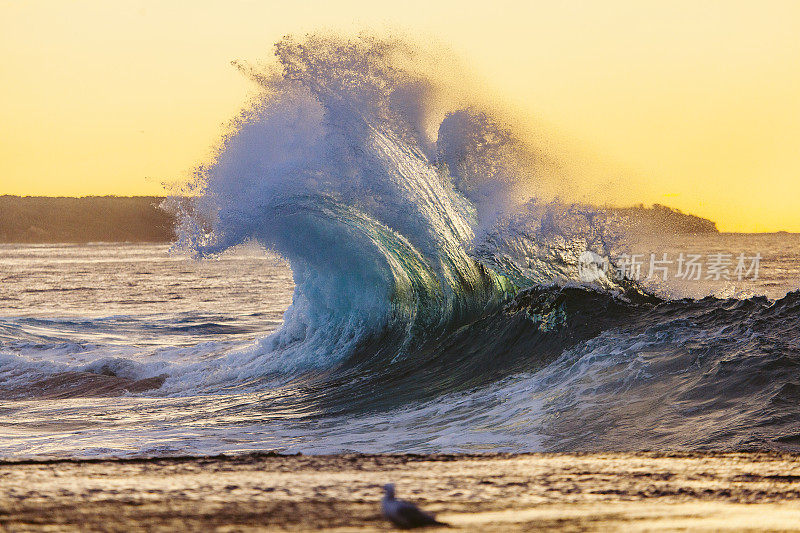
(403, 514)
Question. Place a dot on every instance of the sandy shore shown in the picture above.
(536, 492)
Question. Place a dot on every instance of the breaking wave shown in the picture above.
(437, 302)
(390, 233)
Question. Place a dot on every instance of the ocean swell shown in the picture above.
(389, 233)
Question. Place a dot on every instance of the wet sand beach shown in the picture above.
(493, 492)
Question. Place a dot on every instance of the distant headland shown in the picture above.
(662, 218)
(44, 219)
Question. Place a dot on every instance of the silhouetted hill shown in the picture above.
(662, 218)
(33, 219)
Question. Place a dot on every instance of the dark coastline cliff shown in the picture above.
(43, 219)
(660, 218)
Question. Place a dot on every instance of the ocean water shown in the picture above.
(351, 278)
(679, 373)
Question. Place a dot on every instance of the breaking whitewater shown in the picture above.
(435, 298)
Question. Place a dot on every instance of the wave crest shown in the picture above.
(385, 228)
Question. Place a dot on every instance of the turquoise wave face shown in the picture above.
(384, 229)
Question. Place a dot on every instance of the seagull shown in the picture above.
(403, 514)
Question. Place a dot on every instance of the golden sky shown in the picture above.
(700, 98)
